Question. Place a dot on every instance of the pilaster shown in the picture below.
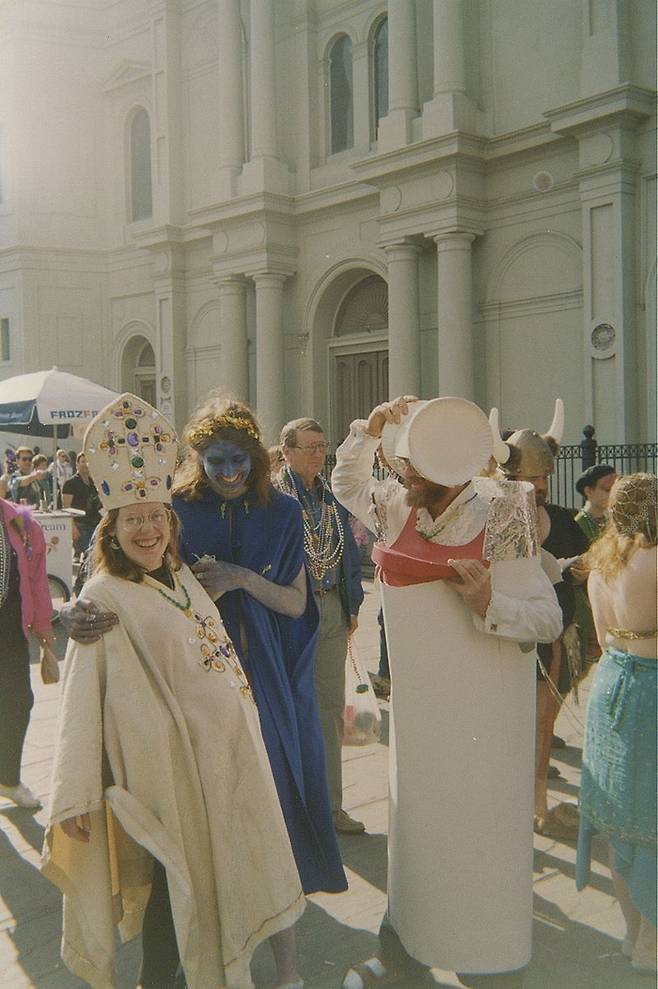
(270, 362)
(395, 128)
(232, 331)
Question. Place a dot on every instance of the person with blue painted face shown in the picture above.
(244, 541)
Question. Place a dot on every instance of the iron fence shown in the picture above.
(572, 460)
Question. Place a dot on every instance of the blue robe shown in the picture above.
(278, 660)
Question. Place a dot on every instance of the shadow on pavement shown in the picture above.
(26, 825)
(35, 906)
(570, 756)
(366, 855)
(327, 949)
(546, 862)
(570, 955)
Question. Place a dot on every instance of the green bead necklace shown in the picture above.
(185, 608)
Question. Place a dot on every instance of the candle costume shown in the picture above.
(461, 750)
(159, 742)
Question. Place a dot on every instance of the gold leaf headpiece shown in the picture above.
(633, 505)
(206, 430)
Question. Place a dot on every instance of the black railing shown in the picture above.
(571, 461)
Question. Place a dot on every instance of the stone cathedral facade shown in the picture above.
(315, 204)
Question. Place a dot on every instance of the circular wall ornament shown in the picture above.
(220, 242)
(603, 339)
(543, 181)
(443, 185)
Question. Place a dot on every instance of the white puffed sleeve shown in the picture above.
(523, 604)
(380, 505)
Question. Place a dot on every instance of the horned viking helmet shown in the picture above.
(527, 453)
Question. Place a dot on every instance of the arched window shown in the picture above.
(145, 374)
(380, 73)
(141, 205)
(341, 95)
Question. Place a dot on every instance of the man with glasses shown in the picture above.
(25, 485)
(334, 565)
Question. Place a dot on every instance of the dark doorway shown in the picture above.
(361, 382)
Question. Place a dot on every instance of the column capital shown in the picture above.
(268, 279)
(230, 284)
(453, 240)
(402, 250)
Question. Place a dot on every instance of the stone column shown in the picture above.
(166, 118)
(454, 314)
(169, 297)
(234, 358)
(270, 363)
(265, 171)
(450, 108)
(449, 73)
(403, 321)
(263, 83)
(395, 128)
(230, 97)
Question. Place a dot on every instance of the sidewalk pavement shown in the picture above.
(576, 935)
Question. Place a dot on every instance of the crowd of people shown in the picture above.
(197, 787)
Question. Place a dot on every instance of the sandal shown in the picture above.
(560, 822)
(371, 974)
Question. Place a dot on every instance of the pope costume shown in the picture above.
(159, 741)
(463, 690)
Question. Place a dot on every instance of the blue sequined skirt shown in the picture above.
(620, 772)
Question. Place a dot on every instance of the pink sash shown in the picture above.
(414, 560)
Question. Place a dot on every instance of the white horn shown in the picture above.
(501, 450)
(556, 428)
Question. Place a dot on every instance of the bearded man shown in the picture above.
(465, 599)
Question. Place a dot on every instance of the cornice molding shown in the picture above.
(530, 306)
(625, 105)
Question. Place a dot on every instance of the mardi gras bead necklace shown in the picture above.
(185, 606)
(322, 551)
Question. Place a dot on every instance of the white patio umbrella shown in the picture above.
(50, 403)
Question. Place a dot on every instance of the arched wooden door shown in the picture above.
(359, 354)
(361, 382)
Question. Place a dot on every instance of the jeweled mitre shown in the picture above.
(131, 451)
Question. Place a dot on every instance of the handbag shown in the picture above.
(49, 664)
(362, 717)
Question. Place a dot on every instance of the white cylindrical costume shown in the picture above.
(462, 728)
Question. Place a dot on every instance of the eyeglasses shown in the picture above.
(159, 518)
(320, 447)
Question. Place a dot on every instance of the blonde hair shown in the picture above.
(109, 558)
(631, 524)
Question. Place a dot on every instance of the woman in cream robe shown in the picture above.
(159, 743)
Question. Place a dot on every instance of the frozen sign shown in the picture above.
(59, 415)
